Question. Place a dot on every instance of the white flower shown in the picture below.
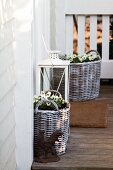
(56, 98)
(63, 101)
(36, 97)
(53, 97)
(74, 56)
(90, 58)
(80, 59)
(71, 59)
(48, 97)
(48, 94)
(48, 104)
(42, 94)
(84, 57)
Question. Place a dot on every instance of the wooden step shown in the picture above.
(34, 167)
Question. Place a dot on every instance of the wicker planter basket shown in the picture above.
(49, 121)
(84, 80)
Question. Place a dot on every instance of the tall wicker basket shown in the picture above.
(84, 80)
(49, 121)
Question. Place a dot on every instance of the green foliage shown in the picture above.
(84, 58)
(49, 99)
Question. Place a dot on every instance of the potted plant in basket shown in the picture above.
(90, 56)
(84, 76)
(52, 113)
(50, 100)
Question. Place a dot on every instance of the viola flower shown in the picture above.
(42, 94)
(88, 57)
(46, 105)
(48, 94)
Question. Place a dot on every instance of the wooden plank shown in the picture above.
(81, 34)
(69, 35)
(106, 63)
(93, 32)
(88, 7)
(59, 29)
(105, 38)
(106, 92)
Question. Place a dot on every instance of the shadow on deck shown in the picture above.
(88, 148)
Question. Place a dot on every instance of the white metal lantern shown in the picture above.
(54, 62)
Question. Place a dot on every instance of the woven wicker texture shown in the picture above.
(49, 121)
(84, 80)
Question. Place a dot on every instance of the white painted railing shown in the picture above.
(107, 64)
(64, 28)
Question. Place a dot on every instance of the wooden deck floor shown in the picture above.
(88, 148)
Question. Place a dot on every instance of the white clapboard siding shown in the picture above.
(6, 101)
(7, 139)
(24, 87)
(6, 150)
(6, 127)
(7, 81)
(7, 87)
(11, 163)
(6, 12)
(6, 58)
(6, 34)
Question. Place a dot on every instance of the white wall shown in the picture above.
(41, 32)
(7, 85)
(24, 83)
(42, 28)
(29, 50)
